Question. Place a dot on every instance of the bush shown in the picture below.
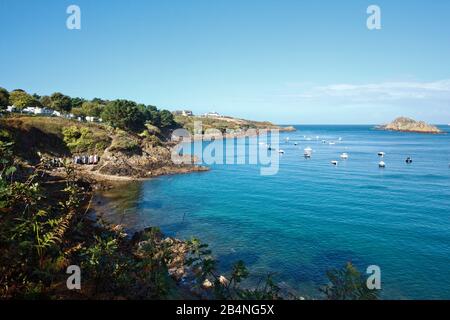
(125, 142)
(83, 139)
(154, 141)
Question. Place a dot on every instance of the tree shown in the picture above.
(46, 101)
(100, 101)
(76, 102)
(92, 109)
(20, 99)
(123, 114)
(61, 102)
(166, 119)
(348, 284)
(78, 112)
(4, 98)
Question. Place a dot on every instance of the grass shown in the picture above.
(46, 135)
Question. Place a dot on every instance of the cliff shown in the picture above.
(123, 155)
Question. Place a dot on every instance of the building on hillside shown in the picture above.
(43, 111)
(28, 110)
(186, 113)
(38, 111)
(93, 119)
(212, 115)
(11, 109)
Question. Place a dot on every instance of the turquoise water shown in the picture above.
(313, 216)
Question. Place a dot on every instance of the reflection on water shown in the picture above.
(119, 205)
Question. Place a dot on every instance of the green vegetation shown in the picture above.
(82, 139)
(43, 229)
(123, 114)
(125, 142)
(4, 98)
(60, 102)
(127, 115)
(348, 284)
(55, 137)
(20, 99)
(46, 101)
(223, 124)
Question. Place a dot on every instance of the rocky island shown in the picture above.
(405, 124)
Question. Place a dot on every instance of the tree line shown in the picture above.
(120, 113)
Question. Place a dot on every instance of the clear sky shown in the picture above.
(286, 61)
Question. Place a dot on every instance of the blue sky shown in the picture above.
(284, 61)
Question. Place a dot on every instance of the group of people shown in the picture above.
(54, 163)
(91, 159)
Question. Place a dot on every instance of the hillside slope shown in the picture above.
(122, 154)
(226, 124)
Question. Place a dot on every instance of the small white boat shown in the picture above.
(382, 164)
(344, 156)
(281, 151)
(340, 139)
(295, 143)
(334, 162)
(332, 143)
(308, 152)
(381, 154)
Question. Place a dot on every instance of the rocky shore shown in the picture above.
(404, 124)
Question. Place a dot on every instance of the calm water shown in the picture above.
(312, 216)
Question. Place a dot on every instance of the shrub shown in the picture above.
(83, 139)
(125, 142)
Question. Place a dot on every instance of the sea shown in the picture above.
(313, 216)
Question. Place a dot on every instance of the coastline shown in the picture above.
(98, 178)
(253, 133)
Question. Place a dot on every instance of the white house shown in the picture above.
(10, 108)
(186, 113)
(43, 111)
(212, 114)
(56, 113)
(92, 119)
(38, 111)
(28, 110)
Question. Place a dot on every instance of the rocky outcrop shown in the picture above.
(148, 162)
(409, 125)
(288, 129)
